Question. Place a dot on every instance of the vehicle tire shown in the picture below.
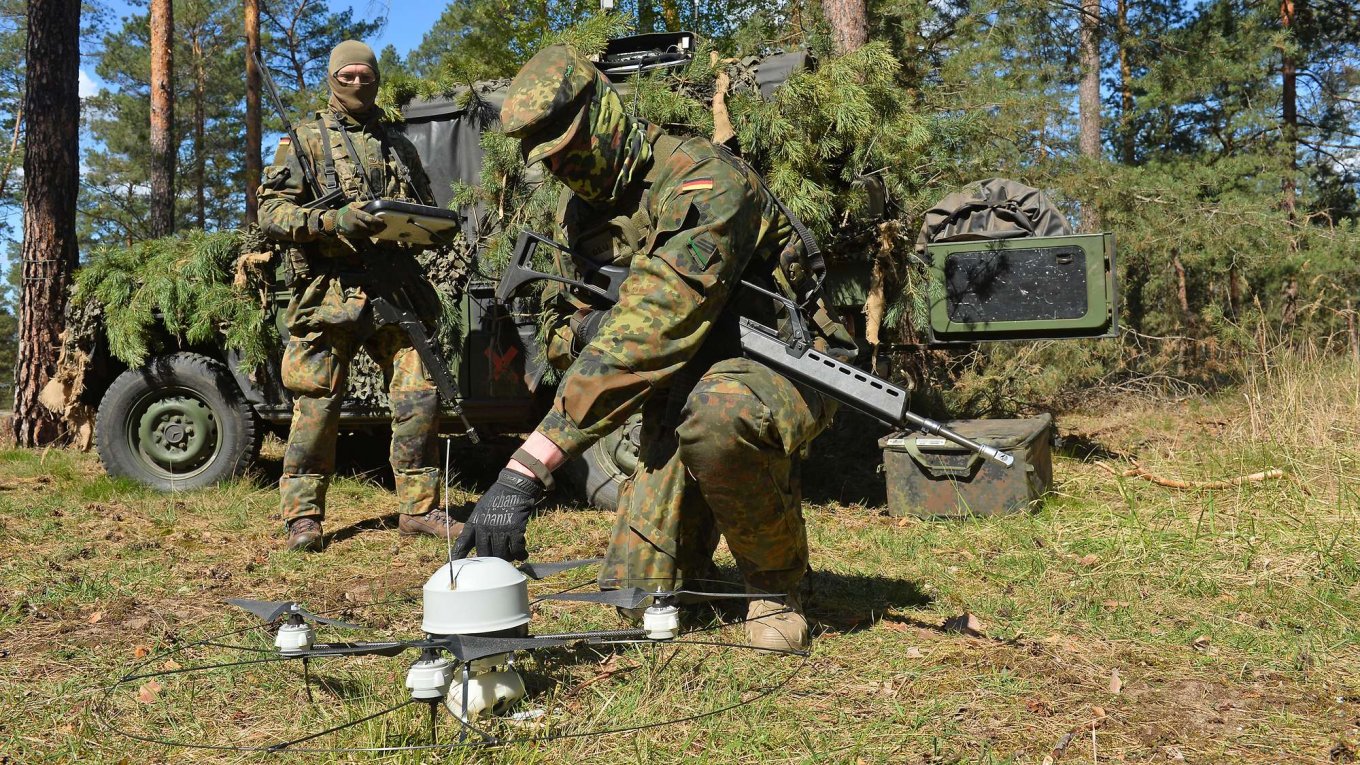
(179, 423)
(597, 476)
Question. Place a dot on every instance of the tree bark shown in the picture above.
(1127, 143)
(646, 16)
(670, 13)
(254, 162)
(1290, 109)
(162, 221)
(51, 178)
(200, 94)
(1088, 97)
(849, 21)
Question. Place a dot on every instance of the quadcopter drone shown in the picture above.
(471, 662)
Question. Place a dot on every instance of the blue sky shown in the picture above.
(407, 23)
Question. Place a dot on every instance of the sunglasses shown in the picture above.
(345, 78)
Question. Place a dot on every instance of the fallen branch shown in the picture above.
(1137, 471)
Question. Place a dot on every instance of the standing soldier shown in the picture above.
(335, 266)
(721, 435)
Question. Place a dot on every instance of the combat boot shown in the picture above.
(304, 534)
(436, 523)
(777, 623)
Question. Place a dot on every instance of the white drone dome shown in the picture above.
(475, 595)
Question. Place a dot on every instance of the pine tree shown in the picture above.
(51, 173)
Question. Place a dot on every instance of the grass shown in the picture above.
(1229, 617)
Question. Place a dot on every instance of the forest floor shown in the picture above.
(1125, 621)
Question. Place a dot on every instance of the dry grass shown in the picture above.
(1229, 616)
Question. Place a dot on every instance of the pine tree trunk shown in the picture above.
(254, 161)
(670, 13)
(162, 118)
(849, 20)
(51, 178)
(200, 94)
(646, 16)
(13, 151)
(1290, 109)
(1088, 97)
(1127, 137)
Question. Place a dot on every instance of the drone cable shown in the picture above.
(201, 667)
(340, 727)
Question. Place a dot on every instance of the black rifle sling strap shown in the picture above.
(330, 180)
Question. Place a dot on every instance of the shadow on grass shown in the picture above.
(1084, 447)
(854, 602)
(845, 464)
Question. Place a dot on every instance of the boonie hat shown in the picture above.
(543, 107)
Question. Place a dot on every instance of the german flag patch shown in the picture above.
(698, 184)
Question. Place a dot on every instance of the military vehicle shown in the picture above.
(191, 417)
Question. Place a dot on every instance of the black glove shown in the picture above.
(496, 527)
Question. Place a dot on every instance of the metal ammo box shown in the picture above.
(931, 477)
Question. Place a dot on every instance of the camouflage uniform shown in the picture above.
(721, 435)
(328, 321)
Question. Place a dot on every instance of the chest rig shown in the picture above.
(369, 178)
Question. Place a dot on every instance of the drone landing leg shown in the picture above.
(434, 722)
(463, 717)
(307, 678)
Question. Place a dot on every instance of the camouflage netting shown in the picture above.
(205, 290)
(200, 288)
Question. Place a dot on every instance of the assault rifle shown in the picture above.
(790, 351)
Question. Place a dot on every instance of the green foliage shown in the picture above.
(181, 285)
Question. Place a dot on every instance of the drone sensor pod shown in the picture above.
(490, 693)
(486, 595)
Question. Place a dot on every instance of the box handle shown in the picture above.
(940, 471)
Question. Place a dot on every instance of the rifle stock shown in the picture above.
(789, 352)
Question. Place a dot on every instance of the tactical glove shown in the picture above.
(352, 222)
(496, 527)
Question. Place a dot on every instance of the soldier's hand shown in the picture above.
(496, 527)
(352, 222)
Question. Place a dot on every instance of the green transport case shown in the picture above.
(930, 477)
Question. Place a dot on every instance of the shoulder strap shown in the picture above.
(330, 180)
(359, 167)
(816, 262)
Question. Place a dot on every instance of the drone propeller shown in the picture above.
(633, 597)
(463, 647)
(268, 611)
(543, 570)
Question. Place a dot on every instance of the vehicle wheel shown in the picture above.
(597, 475)
(178, 423)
